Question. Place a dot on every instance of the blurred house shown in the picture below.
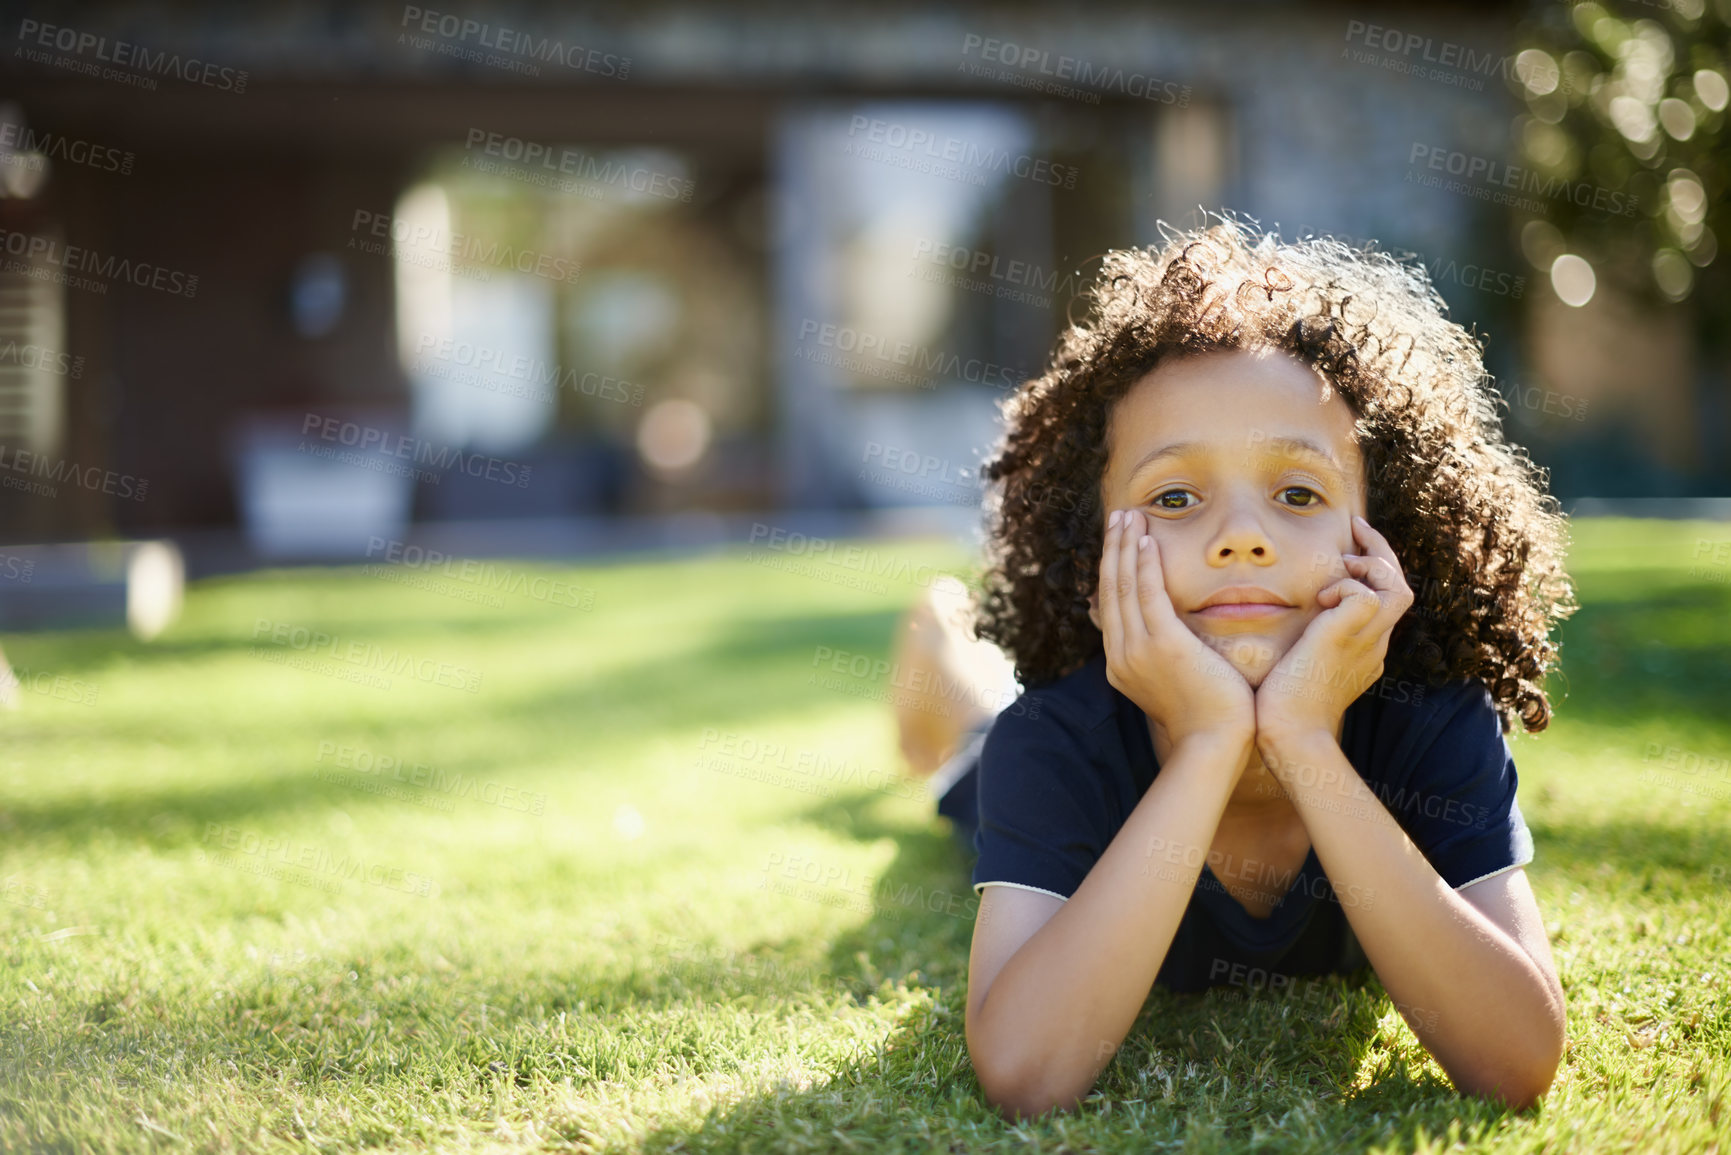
(324, 271)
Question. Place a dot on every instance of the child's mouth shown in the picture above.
(1236, 611)
(1242, 602)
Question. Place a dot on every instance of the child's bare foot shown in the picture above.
(961, 680)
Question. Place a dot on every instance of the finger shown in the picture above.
(1157, 612)
(1373, 543)
(1112, 631)
(1365, 604)
(1385, 578)
(1129, 559)
(1374, 572)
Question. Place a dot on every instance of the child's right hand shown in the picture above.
(1187, 689)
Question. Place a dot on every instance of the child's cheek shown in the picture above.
(1326, 568)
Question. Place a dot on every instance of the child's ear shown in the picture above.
(1094, 610)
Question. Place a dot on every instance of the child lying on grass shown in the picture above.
(1278, 587)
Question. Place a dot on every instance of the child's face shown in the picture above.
(1212, 449)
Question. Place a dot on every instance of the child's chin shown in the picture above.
(1255, 674)
(1253, 657)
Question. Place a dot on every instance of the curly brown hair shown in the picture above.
(1479, 539)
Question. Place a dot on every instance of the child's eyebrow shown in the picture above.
(1290, 446)
(1176, 449)
(1303, 447)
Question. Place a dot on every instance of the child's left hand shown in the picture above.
(1340, 654)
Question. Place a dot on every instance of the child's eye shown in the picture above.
(1306, 493)
(1164, 500)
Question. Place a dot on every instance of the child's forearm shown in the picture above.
(1476, 1000)
(1060, 1007)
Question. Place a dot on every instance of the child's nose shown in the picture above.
(1241, 535)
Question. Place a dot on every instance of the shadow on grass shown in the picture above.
(724, 683)
(85, 652)
(1633, 847)
(1223, 1068)
(1663, 654)
(165, 819)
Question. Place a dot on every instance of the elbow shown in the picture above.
(1017, 1100)
(1547, 1053)
(1021, 1089)
(1523, 1081)
(1527, 1064)
(1516, 1090)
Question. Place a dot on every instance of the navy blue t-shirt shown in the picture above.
(1062, 768)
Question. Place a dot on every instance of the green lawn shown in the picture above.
(622, 874)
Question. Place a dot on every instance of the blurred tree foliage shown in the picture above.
(1630, 99)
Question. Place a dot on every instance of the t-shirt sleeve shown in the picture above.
(1043, 821)
(1458, 803)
